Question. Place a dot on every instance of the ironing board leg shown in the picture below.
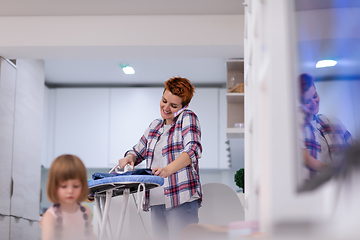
(108, 225)
(99, 213)
(126, 194)
(105, 214)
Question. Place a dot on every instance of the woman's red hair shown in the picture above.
(180, 87)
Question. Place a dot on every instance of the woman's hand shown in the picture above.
(312, 162)
(129, 159)
(179, 163)
(162, 172)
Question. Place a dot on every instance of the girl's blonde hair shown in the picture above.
(63, 168)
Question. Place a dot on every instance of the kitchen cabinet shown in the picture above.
(26, 171)
(5, 226)
(128, 125)
(7, 110)
(100, 124)
(82, 125)
(205, 104)
(23, 229)
(21, 109)
(131, 112)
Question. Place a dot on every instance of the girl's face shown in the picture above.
(69, 191)
(311, 101)
(169, 105)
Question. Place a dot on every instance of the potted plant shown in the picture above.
(239, 179)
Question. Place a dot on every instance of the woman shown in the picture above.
(323, 139)
(172, 147)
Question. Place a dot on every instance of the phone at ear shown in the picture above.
(178, 112)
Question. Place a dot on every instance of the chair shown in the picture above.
(220, 205)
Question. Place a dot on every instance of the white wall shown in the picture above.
(340, 99)
(320, 24)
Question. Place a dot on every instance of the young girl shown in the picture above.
(66, 188)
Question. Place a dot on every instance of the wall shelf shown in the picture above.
(235, 97)
(235, 101)
(235, 132)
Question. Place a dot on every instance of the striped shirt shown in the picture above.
(184, 136)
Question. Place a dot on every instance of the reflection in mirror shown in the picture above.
(328, 100)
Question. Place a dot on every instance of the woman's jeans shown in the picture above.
(168, 224)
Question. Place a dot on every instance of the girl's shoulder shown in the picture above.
(51, 211)
(88, 209)
(48, 217)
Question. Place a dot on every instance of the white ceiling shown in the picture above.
(146, 7)
(201, 64)
(120, 7)
(201, 71)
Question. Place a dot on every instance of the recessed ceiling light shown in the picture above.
(326, 63)
(127, 69)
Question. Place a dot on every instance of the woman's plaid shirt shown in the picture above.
(335, 135)
(183, 136)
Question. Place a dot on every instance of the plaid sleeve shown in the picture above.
(191, 134)
(340, 136)
(139, 150)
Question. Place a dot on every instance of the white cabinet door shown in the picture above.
(48, 127)
(131, 112)
(30, 229)
(16, 229)
(205, 104)
(21, 229)
(82, 124)
(7, 106)
(4, 226)
(27, 138)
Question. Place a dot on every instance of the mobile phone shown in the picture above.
(178, 112)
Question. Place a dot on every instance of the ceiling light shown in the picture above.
(127, 69)
(326, 63)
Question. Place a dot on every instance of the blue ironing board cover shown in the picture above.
(119, 183)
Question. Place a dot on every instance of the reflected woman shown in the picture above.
(323, 140)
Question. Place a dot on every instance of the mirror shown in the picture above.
(328, 100)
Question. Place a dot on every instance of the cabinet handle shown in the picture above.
(11, 187)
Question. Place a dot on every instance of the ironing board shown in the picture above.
(106, 188)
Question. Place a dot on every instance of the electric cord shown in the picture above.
(127, 168)
(142, 221)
